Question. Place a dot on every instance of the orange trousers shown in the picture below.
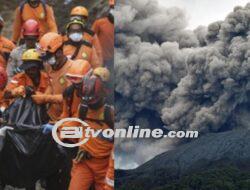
(108, 188)
(88, 173)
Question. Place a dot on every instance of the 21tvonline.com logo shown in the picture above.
(76, 132)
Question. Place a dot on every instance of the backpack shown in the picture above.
(78, 46)
(108, 110)
(21, 6)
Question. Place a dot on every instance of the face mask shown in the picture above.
(33, 73)
(52, 61)
(76, 37)
(112, 11)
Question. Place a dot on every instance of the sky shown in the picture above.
(204, 12)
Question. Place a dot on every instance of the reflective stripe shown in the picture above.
(14, 81)
(110, 182)
(71, 75)
(113, 155)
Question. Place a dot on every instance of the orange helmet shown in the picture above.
(3, 77)
(78, 69)
(51, 42)
(79, 11)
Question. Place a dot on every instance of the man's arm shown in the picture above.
(51, 20)
(17, 26)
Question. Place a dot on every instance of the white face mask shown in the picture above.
(76, 37)
(52, 61)
(112, 11)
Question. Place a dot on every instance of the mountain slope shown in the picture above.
(225, 153)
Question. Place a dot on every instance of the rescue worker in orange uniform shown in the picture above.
(76, 47)
(72, 94)
(37, 10)
(6, 46)
(110, 173)
(57, 65)
(81, 13)
(75, 73)
(30, 32)
(104, 29)
(87, 102)
(31, 81)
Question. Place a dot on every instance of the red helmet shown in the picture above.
(3, 78)
(93, 90)
(31, 28)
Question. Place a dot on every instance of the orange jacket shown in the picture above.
(58, 84)
(22, 79)
(97, 147)
(104, 29)
(6, 46)
(94, 40)
(91, 52)
(46, 20)
(71, 109)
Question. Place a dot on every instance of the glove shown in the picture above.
(82, 155)
(47, 128)
(29, 91)
(4, 129)
(19, 91)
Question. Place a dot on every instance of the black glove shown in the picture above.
(29, 91)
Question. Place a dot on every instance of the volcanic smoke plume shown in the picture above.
(193, 80)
